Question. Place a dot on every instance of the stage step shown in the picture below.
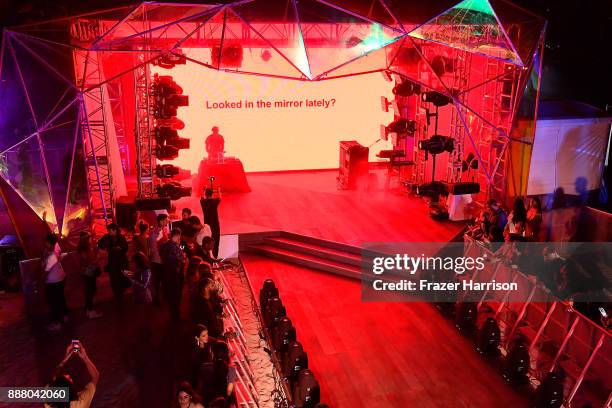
(317, 250)
(336, 246)
(301, 255)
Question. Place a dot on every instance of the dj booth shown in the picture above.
(228, 173)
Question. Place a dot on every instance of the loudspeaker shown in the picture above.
(151, 204)
(125, 211)
(463, 188)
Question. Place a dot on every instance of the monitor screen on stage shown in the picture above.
(274, 124)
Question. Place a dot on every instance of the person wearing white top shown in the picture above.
(55, 282)
(201, 230)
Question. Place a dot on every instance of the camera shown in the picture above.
(75, 346)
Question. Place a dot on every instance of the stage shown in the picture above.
(308, 203)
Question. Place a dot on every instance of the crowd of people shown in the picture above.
(495, 225)
(576, 276)
(161, 264)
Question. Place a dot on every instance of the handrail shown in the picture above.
(257, 310)
(541, 286)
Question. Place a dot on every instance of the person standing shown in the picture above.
(210, 209)
(215, 144)
(55, 283)
(116, 247)
(90, 270)
(158, 236)
(141, 242)
(173, 264)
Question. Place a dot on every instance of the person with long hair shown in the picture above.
(533, 224)
(90, 270)
(186, 397)
(206, 308)
(140, 276)
(54, 278)
(515, 227)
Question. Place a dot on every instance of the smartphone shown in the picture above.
(75, 346)
(603, 312)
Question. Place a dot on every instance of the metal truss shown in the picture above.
(93, 123)
(145, 142)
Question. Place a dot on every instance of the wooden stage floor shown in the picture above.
(308, 203)
(380, 355)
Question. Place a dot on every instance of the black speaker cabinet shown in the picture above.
(125, 211)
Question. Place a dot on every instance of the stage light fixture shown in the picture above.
(168, 97)
(229, 57)
(166, 171)
(353, 42)
(442, 65)
(170, 60)
(437, 144)
(470, 163)
(402, 126)
(266, 55)
(406, 88)
(436, 98)
(173, 190)
(166, 152)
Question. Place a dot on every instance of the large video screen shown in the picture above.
(274, 124)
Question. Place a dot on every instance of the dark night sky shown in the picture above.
(577, 61)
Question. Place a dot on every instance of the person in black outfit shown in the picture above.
(116, 246)
(210, 207)
(206, 308)
(173, 264)
(187, 230)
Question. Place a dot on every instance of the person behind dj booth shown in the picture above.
(215, 144)
(210, 209)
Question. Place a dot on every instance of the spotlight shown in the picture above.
(353, 42)
(166, 152)
(406, 88)
(442, 65)
(437, 144)
(171, 60)
(165, 136)
(229, 57)
(173, 190)
(470, 162)
(166, 171)
(266, 55)
(402, 126)
(436, 98)
(173, 123)
(168, 97)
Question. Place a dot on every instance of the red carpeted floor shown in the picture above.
(391, 355)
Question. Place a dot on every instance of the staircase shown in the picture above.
(319, 254)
